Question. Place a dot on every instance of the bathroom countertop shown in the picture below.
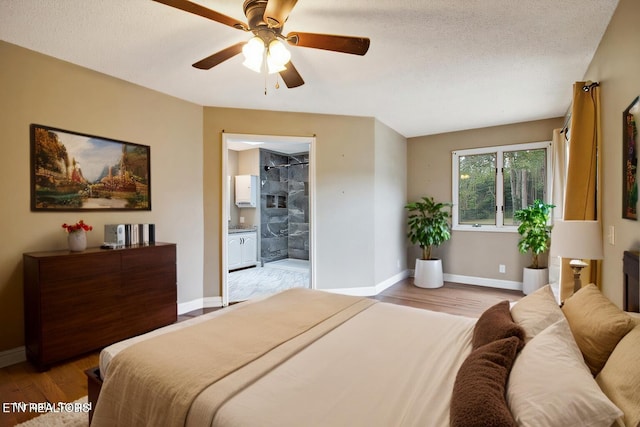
(233, 230)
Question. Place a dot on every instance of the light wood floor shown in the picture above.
(454, 298)
(67, 382)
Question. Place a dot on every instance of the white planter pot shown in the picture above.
(428, 273)
(533, 279)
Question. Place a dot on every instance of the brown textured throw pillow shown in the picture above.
(494, 324)
(536, 312)
(478, 398)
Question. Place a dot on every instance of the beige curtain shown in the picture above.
(582, 198)
(559, 172)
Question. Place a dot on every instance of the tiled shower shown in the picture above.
(284, 205)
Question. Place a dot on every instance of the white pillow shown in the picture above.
(550, 385)
(536, 312)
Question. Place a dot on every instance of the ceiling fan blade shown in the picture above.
(291, 77)
(215, 59)
(344, 44)
(199, 10)
(277, 12)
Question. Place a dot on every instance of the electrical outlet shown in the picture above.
(502, 268)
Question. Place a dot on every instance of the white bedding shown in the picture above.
(388, 365)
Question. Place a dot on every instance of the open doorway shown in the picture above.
(267, 229)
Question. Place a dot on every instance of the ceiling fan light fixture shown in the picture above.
(279, 52)
(277, 56)
(274, 66)
(265, 19)
(253, 53)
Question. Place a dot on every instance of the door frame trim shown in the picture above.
(226, 201)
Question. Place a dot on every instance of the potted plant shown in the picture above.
(536, 237)
(428, 227)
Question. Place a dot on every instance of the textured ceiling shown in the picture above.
(434, 66)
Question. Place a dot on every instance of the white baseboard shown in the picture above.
(212, 302)
(479, 281)
(186, 307)
(482, 281)
(197, 304)
(12, 356)
(382, 286)
(368, 291)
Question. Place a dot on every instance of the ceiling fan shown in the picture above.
(265, 19)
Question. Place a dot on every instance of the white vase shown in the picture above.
(77, 240)
(533, 279)
(428, 273)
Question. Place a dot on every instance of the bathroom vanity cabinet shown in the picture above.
(242, 249)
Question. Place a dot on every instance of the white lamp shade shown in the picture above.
(277, 56)
(253, 53)
(279, 52)
(273, 66)
(576, 239)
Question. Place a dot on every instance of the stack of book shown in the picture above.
(129, 234)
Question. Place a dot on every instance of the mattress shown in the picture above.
(380, 367)
(389, 365)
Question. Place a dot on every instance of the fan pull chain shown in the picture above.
(277, 85)
(265, 83)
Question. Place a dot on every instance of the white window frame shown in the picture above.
(499, 151)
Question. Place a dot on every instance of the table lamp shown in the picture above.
(578, 240)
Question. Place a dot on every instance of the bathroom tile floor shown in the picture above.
(270, 279)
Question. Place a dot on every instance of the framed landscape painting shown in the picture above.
(73, 171)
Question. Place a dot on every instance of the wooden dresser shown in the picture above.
(76, 302)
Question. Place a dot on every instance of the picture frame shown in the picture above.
(630, 120)
(73, 171)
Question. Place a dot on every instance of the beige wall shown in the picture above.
(616, 65)
(345, 190)
(39, 89)
(473, 254)
(390, 198)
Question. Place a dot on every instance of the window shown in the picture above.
(489, 184)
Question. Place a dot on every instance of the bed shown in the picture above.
(313, 358)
